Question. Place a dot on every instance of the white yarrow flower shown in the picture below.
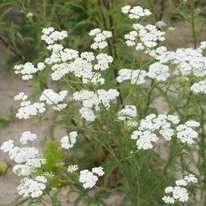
(100, 38)
(23, 170)
(27, 137)
(190, 178)
(158, 71)
(21, 97)
(31, 188)
(98, 170)
(28, 15)
(68, 141)
(126, 9)
(88, 178)
(179, 192)
(72, 168)
(7, 146)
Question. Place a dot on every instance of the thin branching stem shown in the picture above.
(203, 136)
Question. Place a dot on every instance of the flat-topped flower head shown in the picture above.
(23, 170)
(158, 71)
(50, 36)
(186, 133)
(136, 12)
(190, 178)
(72, 168)
(7, 146)
(53, 98)
(126, 9)
(89, 178)
(160, 24)
(179, 192)
(28, 70)
(134, 76)
(128, 115)
(98, 170)
(92, 100)
(100, 38)
(68, 141)
(94, 32)
(145, 134)
(27, 137)
(128, 111)
(144, 139)
(29, 110)
(29, 15)
(32, 188)
(199, 87)
(21, 97)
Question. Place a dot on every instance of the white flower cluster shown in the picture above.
(162, 124)
(28, 70)
(135, 76)
(202, 45)
(88, 178)
(72, 168)
(185, 132)
(189, 61)
(128, 115)
(103, 61)
(28, 109)
(148, 36)
(100, 38)
(84, 66)
(179, 192)
(199, 87)
(50, 35)
(131, 38)
(32, 188)
(27, 137)
(48, 175)
(160, 54)
(64, 60)
(21, 97)
(28, 160)
(158, 71)
(68, 141)
(192, 62)
(53, 98)
(29, 15)
(160, 24)
(59, 54)
(136, 12)
(90, 101)
(80, 67)
(171, 29)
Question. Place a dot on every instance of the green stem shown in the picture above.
(165, 171)
(193, 31)
(202, 147)
(138, 185)
(149, 96)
